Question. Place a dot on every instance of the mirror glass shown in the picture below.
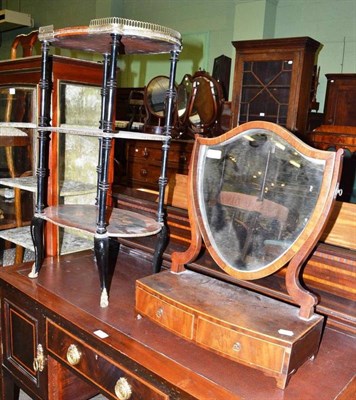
(256, 193)
(184, 92)
(156, 93)
(18, 105)
(80, 106)
(204, 107)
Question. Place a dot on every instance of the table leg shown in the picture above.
(37, 227)
(101, 248)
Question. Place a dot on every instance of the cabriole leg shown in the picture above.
(37, 226)
(37, 223)
(101, 248)
(162, 181)
(101, 240)
(161, 245)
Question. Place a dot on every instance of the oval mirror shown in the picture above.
(184, 91)
(155, 95)
(203, 110)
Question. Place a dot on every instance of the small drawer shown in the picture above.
(239, 346)
(143, 172)
(145, 151)
(180, 157)
(165, 314)
(105, 373)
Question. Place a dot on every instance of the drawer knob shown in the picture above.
(123, 389)
(39, 360)
(236, 346)
(145, 153)
(73, 354)
(143, 172)
(159, 312)
(183, 157)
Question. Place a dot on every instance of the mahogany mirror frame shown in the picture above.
(154, 120)
(184, 89)
(205, 100)
(300, 249)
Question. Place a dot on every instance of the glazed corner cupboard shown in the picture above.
(273, 81)
(111, 37)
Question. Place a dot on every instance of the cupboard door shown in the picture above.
(273, 81)
(265, 91)
(24, 348)
(340, 100)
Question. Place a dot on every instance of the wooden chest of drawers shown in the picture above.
(144, 159)
(236, 323)
(97, 367)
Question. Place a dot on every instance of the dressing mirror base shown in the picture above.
(241, 325)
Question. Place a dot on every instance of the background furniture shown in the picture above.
(155, 103)
(16, 110)
(198, 109)
(143, 161)
(221, 73)
(273, 81)
(11, 143)
(24, 74)
(338, 129)
(126, 109)
(204, 106)
(340, 100)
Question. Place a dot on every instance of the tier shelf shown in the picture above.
(90, 131)
(121, 223)
(135, 37)
(67, 188)
(11, 135)
(69, 243)
(14, 129)
(111, 37)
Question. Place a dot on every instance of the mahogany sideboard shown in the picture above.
(57, 343)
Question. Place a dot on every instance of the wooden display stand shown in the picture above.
(107, 36)
(236, 323)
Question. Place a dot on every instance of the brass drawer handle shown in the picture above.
(73, 355)
(143, 172)
(183, 157)
(145, 152)
(236, 346)
(123, 389)
(39, 360)
(159, 312)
